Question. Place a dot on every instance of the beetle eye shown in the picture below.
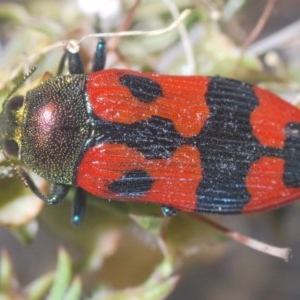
(15, 103)
(11, 147)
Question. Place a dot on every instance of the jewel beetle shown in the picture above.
(188, 143)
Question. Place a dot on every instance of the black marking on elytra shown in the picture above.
(154, 138)
(227, 146)
(144, 89)
(291, 154)
(133, 184)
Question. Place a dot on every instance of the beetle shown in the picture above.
(188, 143)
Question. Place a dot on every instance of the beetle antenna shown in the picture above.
(20, 83)
(20, 174)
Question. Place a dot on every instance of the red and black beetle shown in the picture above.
(197, 143)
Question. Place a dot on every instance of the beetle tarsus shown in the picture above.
(75, 63)
(100, 56)
(79, 206)
(169, 211)
(57, 193)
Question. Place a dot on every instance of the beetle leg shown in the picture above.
(169, 211)
(100, 52)
(75, 62)
(57, 192)
(100, 56)
(79, 206)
